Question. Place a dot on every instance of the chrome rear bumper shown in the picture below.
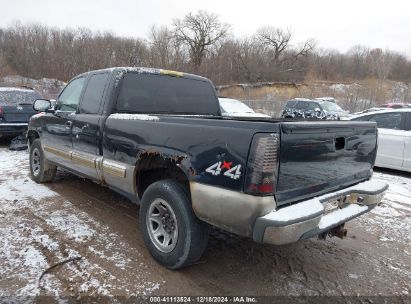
(308, 218)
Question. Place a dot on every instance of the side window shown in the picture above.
(387, 120)
(93, 94)
(301, 105)
(70, 97)
(407, 126)
(291, 103)
(312, 106)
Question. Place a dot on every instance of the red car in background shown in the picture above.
(395, 105)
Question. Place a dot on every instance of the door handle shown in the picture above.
(69, 123)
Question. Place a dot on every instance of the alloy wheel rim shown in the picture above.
(162, 225)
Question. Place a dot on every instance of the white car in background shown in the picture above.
(235, 108)
(394, 137)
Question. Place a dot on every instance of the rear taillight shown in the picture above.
(262, 164)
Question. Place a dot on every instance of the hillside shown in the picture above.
(49, 88)
(270, 97)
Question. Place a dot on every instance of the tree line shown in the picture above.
(200, 43)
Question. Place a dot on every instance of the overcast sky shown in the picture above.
(334, 24)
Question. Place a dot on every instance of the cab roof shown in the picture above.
(145, 70)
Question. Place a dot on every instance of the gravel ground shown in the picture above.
(73, 218)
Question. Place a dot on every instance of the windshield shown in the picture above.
(330, 106)
(233, 106)
(16, 96)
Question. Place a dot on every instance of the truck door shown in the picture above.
(390, 139)
(87, 128)
(407, 144)
(57, 141)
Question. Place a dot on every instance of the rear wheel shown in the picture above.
(172, 233)
(41, 170)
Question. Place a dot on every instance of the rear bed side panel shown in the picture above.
(209, 151)
(209, 147)
(320, 157)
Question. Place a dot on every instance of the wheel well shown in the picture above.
(153, 167)
(31, 136)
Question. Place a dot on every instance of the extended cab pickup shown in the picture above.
(158, 138)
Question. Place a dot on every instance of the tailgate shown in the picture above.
(20, 113)
(319, 157)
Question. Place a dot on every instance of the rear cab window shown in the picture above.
(157, 94)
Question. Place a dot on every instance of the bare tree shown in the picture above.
(381, 63)
(198, 32)
(275, 39)
(284, 60)
(161, 41)
(200, 41)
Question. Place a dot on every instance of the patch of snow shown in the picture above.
(296, 211)
(21, 189)
(124, 116)
(369, 186)
(340, 215)
(38, 228)
(392, 218)
(13, 89)
(353, 276)
(314, 205)
(33, 258)
(71, 225)
(15, 188)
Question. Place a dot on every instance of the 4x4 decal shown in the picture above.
(231, 172)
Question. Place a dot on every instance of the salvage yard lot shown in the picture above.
(42, 225)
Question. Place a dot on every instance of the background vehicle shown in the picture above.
(330, 99)
(394, 137)
(313, 109)
(366, 111)
(234, 107)
(16, 108)
(395, 105)
(158, 138)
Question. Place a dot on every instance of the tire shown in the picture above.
(166, 214)
(40, 169)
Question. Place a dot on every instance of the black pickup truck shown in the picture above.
(158, 137)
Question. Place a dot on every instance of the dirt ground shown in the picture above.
(73, 218)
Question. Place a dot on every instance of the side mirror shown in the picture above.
(42, 105)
